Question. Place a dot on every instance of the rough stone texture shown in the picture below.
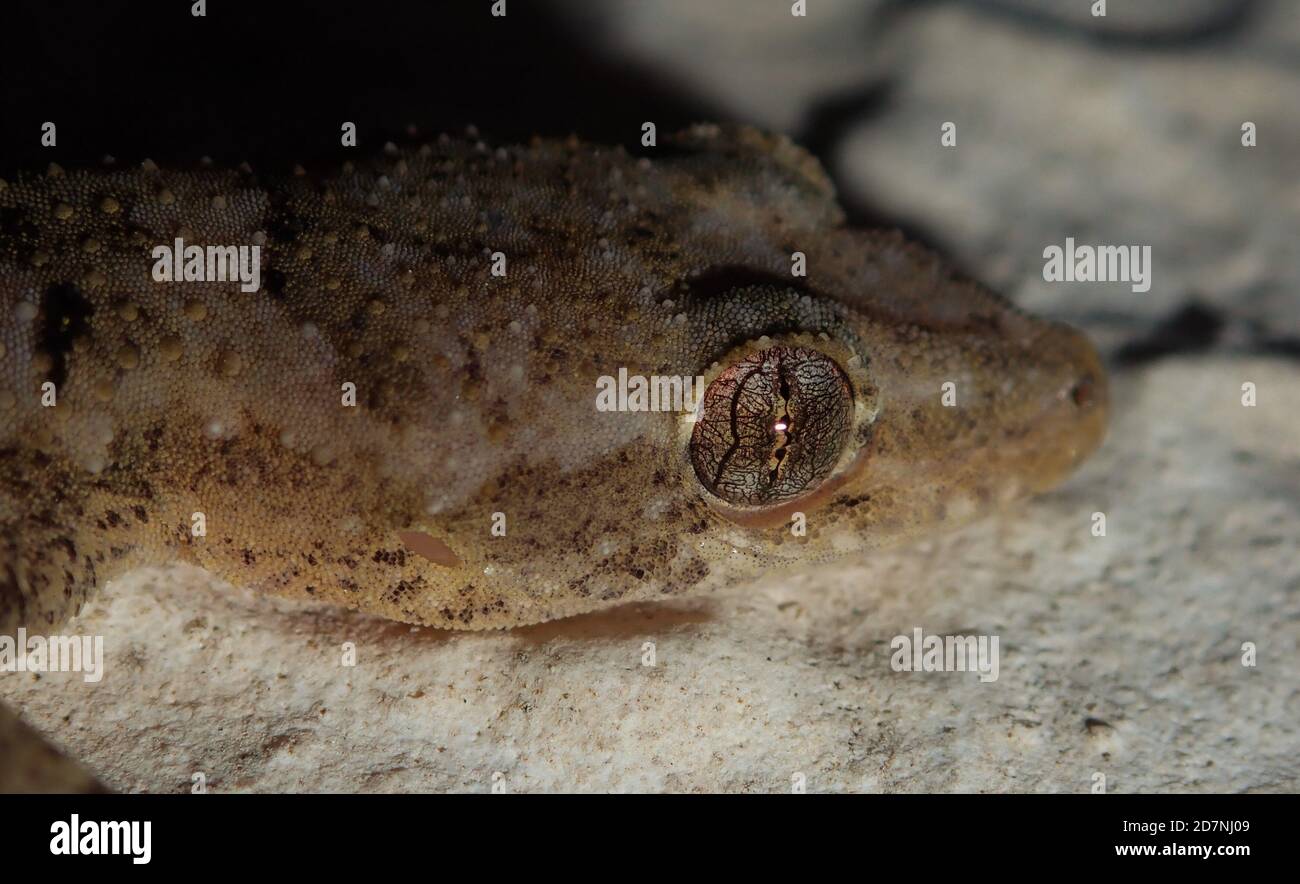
(1119, 655)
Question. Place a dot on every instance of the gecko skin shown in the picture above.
(476, 393)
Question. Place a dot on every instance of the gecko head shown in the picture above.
(869, 429)
(824, 426)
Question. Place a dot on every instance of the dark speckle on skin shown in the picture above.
(67, 316)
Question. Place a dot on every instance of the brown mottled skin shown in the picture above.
(475, 393)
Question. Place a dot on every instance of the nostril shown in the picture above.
(1084, 391)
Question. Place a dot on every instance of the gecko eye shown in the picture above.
(771, 427)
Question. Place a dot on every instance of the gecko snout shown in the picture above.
(1072, 419)
(1089, 390)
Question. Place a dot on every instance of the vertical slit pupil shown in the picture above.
(772, 426)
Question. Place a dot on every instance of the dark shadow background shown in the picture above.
(272, 82)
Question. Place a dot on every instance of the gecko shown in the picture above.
(856, 390)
